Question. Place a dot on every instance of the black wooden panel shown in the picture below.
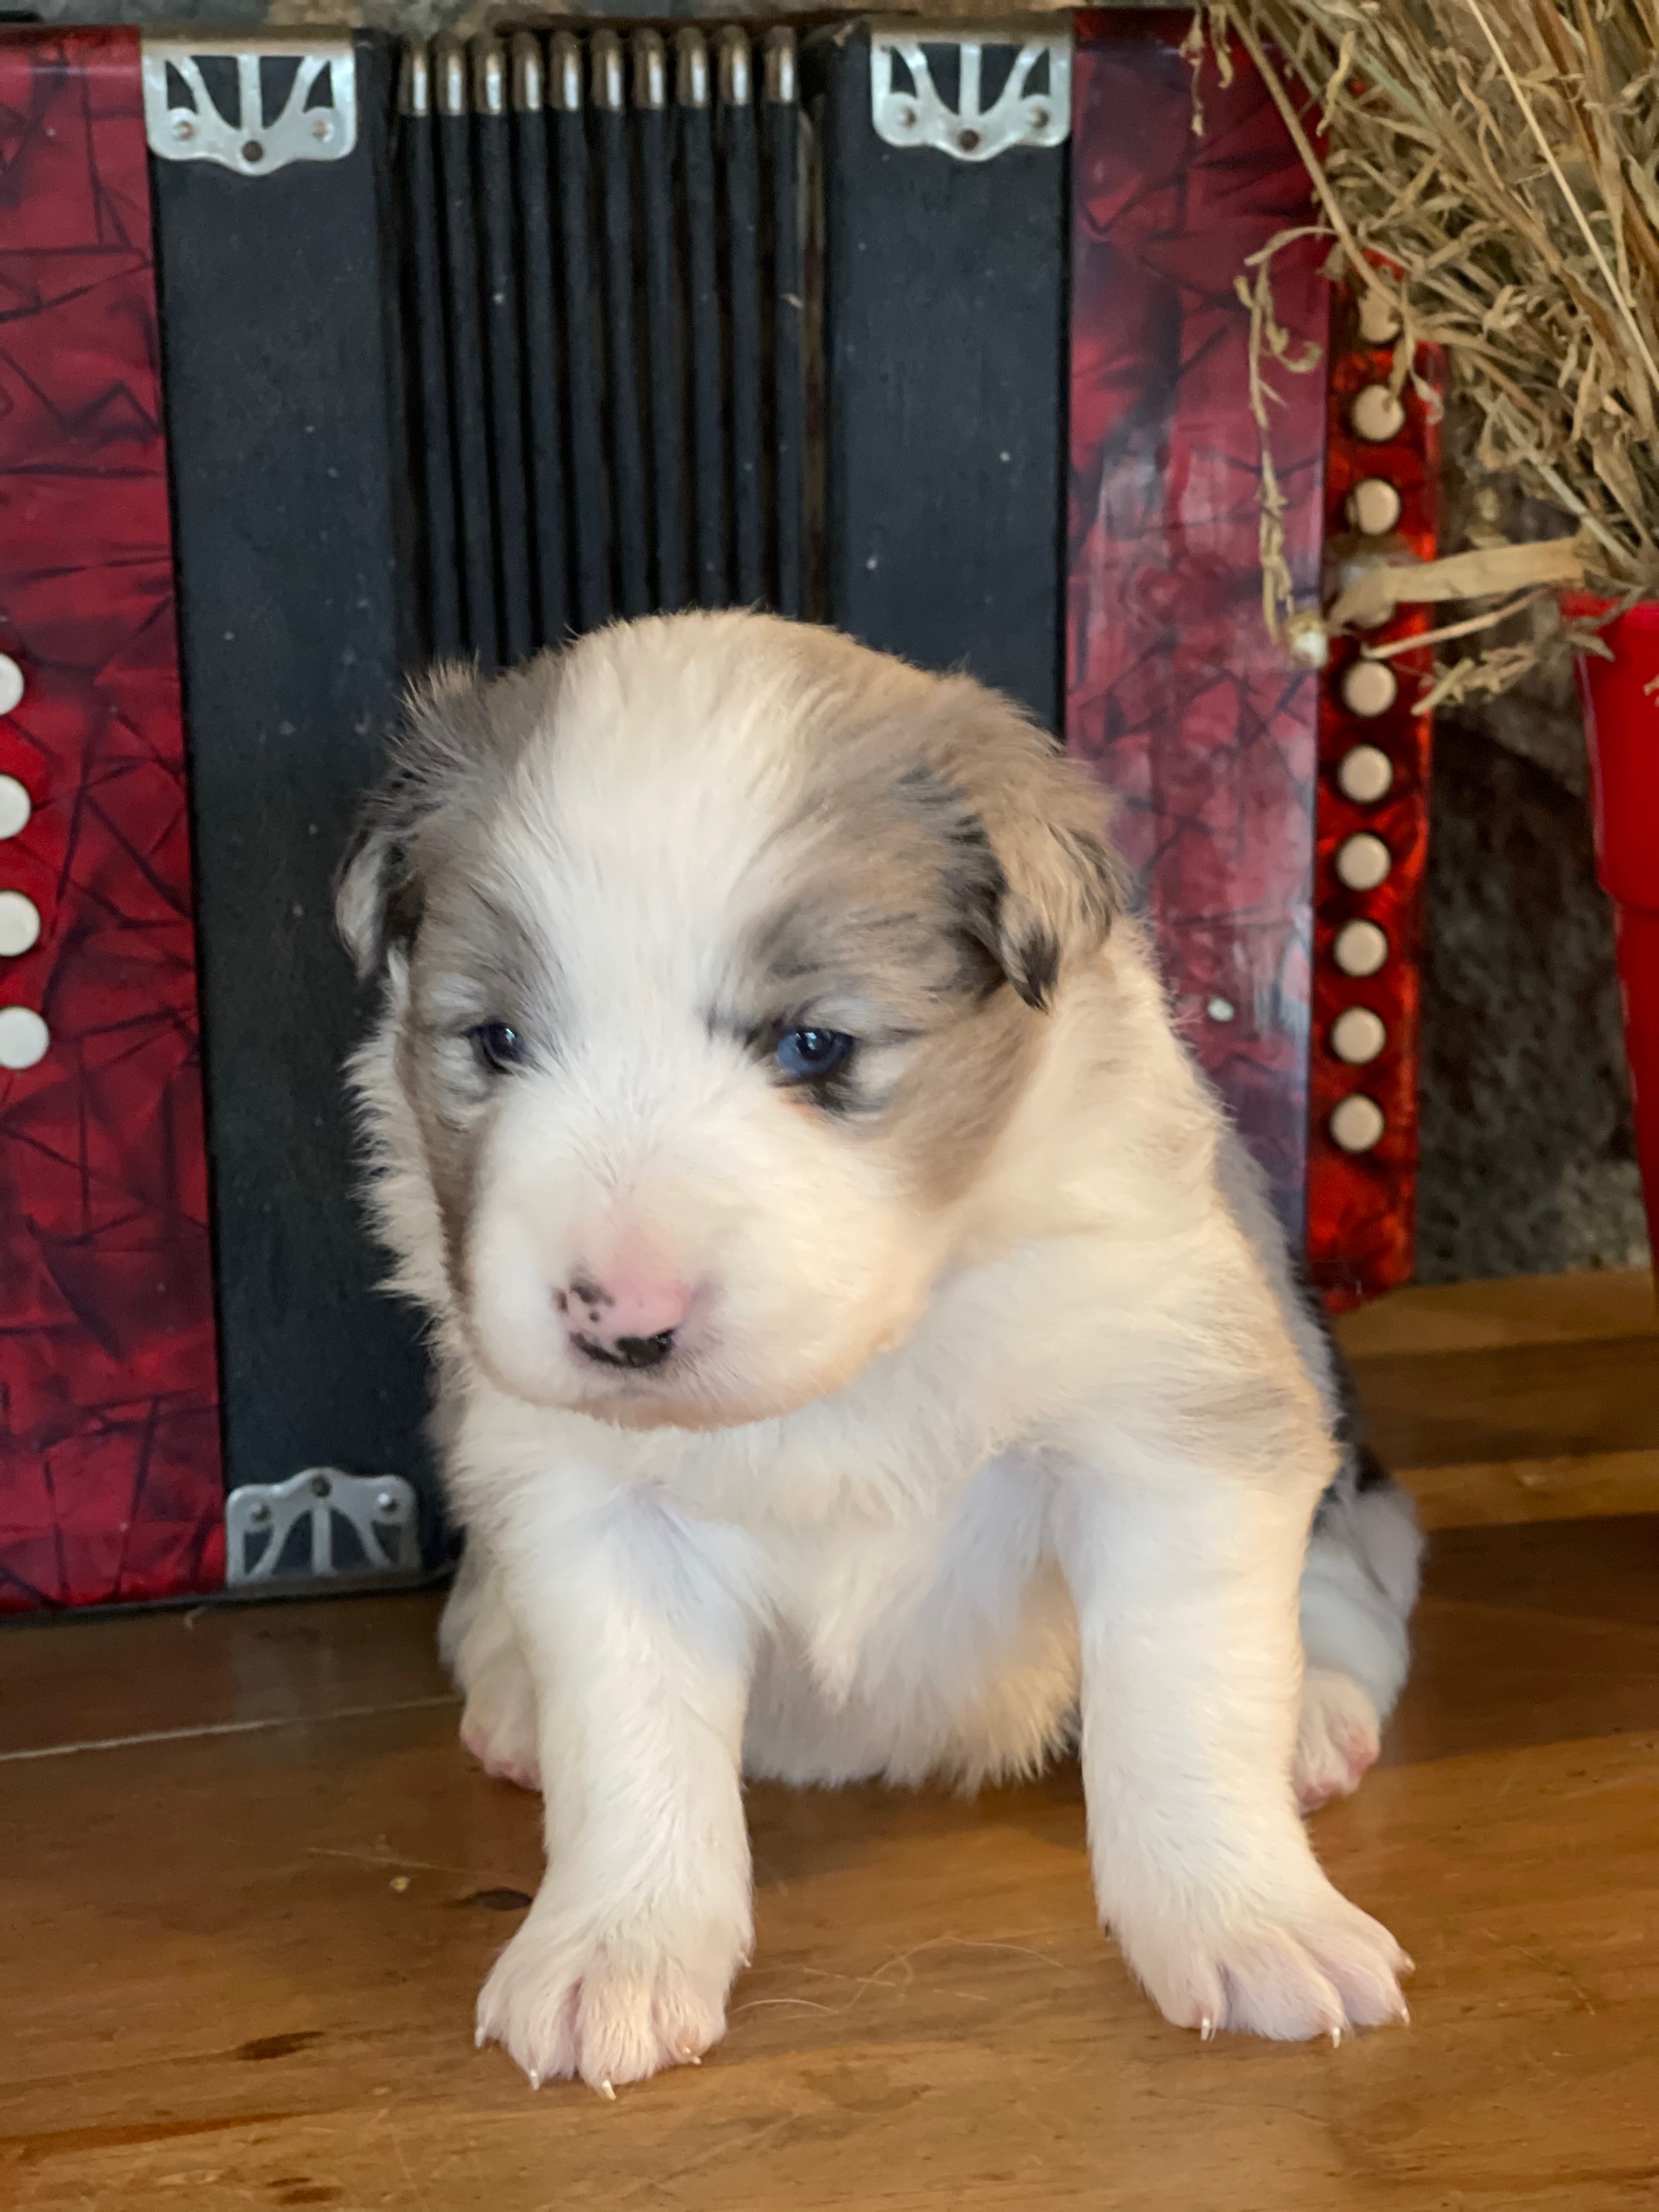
(944, 312)
(279, 299)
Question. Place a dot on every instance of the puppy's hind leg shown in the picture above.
(1358, 1586)
(1359, 1580)
(480, 1646)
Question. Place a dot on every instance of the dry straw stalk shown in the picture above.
(1492, 166)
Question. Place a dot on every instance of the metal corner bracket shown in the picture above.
(315, 121)
(260, 1517)
(1021, 115)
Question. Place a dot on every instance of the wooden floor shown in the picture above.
(248, 1886)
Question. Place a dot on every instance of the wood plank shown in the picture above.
(1476, 1493)
(1531, 1400)
(1476, 1316)
(69, 1680)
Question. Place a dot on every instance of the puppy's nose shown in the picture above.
(624, 1322)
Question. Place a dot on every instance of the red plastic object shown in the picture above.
(110, 1477)
(1204, 728)
(1362, 1206)
(1621, 723)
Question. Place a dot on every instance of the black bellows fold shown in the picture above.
(603, 262)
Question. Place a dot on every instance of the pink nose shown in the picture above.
(627, 1321)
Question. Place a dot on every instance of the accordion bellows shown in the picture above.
(607, 250)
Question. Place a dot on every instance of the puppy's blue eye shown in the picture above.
(808, 1055)
(498, 1045)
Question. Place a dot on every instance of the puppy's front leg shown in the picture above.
(635, 1629)
(1184, 1563)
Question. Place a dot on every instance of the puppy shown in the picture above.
(862, 1347)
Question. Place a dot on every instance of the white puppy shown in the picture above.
(862, 1348)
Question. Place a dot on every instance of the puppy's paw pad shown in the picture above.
(1336, 1737)
(605, 2010)
(1312, 1969)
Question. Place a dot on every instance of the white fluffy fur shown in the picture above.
(1075, 1432)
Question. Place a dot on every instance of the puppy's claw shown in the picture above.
(687, 2056)
(1404, 2015)
(1336, 2039)
(1206, 2029)
(606, 2090)
(479, 2039)
(535, 2078)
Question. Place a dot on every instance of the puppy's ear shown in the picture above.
(372, 893)
(377, 893)
(1064, 884)
(1048, 903)
(458, 739)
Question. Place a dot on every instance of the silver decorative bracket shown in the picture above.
(1033, 109)
(261, 104)
(260, 1517)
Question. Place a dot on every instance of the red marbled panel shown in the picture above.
(110, 1477)
(1203, 727)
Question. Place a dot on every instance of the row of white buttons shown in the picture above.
(1365, 774)
(23, 1036)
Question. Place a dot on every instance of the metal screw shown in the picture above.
(968, 140)
(1039, 117)
(253, 151)
(321, 127)
(183, 127)
(388, 1504)
(907, 117)
(258, 1513)
(320, 1486)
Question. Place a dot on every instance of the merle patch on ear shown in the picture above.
(1070, 897)
(972, 876)
(1033, 879)
(456, 738)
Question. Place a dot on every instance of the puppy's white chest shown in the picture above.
(931, 1592)
(941, 1642)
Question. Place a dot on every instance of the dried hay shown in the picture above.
(1488, 170)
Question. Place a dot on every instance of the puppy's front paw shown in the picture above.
(611, 2005)
(1293, 1966)
(1336, 1737)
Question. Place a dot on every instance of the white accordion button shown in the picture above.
(1364, 774)
(1356, 1123)
(1376, 414)
(20, 924)
(12, 684)
(1361, 948)
(1363, 861)
(1379, 318)
(1374, 506)
(23, 1038)
(1358, 1036)
(1369, 687)
(15, 806)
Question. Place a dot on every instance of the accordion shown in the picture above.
(324, 354)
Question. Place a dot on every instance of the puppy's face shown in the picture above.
(717, 952)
